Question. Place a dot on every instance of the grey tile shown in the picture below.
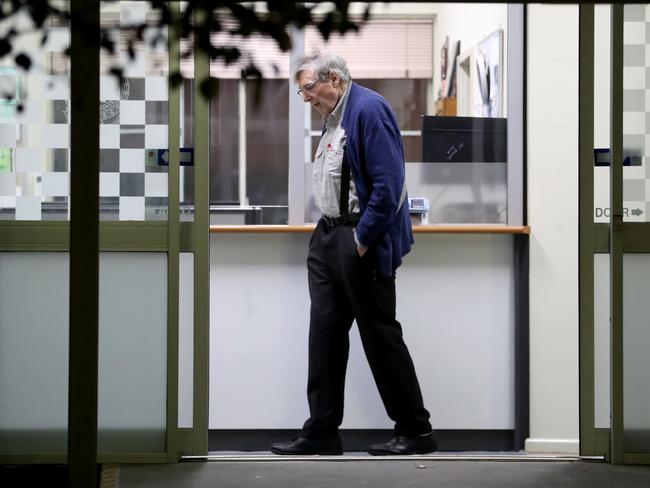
(59, 112)
(109, 208)
(60, 158)
(156, 112)
(131, 184)
(109, 112)
(634, 190)
(156, 208)
(634, 100)
(634, 55)
(132, 136)
(109, 160)
(634, 13)
(136, 89)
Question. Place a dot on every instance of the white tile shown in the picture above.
(133, 13)
(131, 208)
(7, 202)
(7, 184)
(57, 87)
(156, 88)
(132, 160)
(109, 88)
(647, 189)
(33, 112)
(30, 135)
(29, 159)
(109, 184)
(133, 68)
(8, 135)
(155, 184)
(109, 136)
(56, 136)
(55, 185)
(634, 78)
(634, 123)
(28, 208)
(155, 136)
(58, 39)
(132, 112)
(634, 33)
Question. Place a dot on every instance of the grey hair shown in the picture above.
(323, 64)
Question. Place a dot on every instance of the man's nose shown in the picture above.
(306, 97)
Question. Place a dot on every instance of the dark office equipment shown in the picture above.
(464, 139)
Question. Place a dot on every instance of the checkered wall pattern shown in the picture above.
(34, 141)
(636, 111)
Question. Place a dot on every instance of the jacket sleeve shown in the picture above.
(382, 158)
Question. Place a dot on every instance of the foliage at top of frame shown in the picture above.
(198, 20)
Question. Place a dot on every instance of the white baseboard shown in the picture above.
(563, 446)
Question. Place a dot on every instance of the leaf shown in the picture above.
(210, 87)
(23, 61)
(175, 79)
(5, 47)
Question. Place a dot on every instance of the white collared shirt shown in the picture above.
(327, 164)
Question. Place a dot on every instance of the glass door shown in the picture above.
(615, 232)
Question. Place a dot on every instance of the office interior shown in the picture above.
(524, 301)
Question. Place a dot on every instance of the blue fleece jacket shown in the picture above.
(375, 154)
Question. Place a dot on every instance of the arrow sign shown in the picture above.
(187, 156)
(636, 212)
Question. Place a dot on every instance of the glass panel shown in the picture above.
(267, 151)
(636, 360)
(133, 115)
(602, 343)
(457, 153)
(34, 127)
(132, 396)
(636, 170)
(34, 298)
(602, 72)
(186, 341)
(186, 197)
(636, 175)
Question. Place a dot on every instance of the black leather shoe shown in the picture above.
(302, 446)
(401, 445)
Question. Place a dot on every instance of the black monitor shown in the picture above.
(464, 139)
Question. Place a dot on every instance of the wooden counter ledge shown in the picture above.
(418, 229)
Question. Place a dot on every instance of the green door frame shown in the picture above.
(171, 237)
(614, 238)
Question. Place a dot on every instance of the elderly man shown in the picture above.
(353, 254)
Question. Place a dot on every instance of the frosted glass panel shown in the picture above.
(636, 342)
(132, 409)
(33, 351)
(601, 342)
(186, 340)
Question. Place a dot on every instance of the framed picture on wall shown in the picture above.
(489, 76)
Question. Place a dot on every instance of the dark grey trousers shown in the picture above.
(344, 287)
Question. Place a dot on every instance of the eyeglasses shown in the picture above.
(308, 88)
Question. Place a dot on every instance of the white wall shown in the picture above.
(553, 216)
